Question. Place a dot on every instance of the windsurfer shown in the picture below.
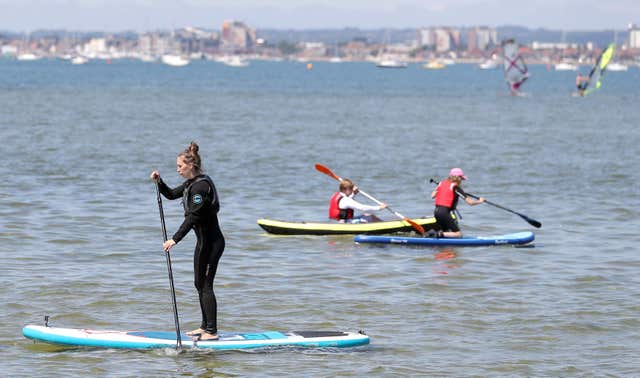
(515, 69)
(581, 83)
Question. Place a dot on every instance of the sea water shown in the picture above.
(80, 236)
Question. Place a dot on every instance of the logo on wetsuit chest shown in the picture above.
(197, 199)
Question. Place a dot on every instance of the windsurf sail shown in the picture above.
(515, 70)
(597, 72)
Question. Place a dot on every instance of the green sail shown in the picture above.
(597, 72)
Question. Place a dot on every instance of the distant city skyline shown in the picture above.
(141, 15)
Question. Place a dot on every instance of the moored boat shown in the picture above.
(565, 66)
(617, 66)
(174, 60)
(489, 64)
(79, 60)
(391, 63)
(335, 228)
(434, 65)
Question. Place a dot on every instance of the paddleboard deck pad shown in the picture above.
(156, 339)
(515, 238)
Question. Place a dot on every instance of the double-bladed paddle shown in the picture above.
(413, 224)
(531, 221)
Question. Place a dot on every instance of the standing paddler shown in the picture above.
(201, 206)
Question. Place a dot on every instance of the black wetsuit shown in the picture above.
(201, 206)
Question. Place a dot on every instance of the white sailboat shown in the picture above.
(235, 61)
(617, 66)
(489, 64)
(27, 57)
(174, 60)
(147, 58)
(77, 60)
(434, 65)
(386, 59)
(391, 63)
(565, 66)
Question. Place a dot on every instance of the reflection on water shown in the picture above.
(446, 254)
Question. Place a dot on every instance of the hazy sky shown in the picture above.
(139, 15)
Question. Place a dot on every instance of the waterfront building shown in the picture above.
(634, 36)
(482, 38)
(235, 35)
(426, 38)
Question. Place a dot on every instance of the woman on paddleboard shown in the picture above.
(201, 206)
(446, 196)
(342, 205)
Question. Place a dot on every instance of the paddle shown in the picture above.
(413, 224)
(173, 290)
(531, 221)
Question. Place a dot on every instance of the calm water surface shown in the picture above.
(80, 235)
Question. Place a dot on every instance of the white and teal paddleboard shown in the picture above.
(153, 339)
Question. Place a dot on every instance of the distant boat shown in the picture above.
(147, 58)
(616, 66)
(27, 57)
(174, 60)
(434, 65)
(391, 63)
(79, 60)
(565, 66)
(235, 61)
(489, 64)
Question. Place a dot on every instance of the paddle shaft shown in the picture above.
(413, 224)
(380, 203)
(531, 221)
(173, 290)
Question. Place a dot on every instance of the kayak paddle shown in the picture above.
(173, 290)
(531, 221)
(413, 224)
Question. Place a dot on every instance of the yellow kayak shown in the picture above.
(335, 228)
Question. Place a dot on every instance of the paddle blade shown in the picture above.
(327, 171)
(533, 222)
(415, 226)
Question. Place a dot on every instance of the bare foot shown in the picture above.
(195, 332)
(205, 336)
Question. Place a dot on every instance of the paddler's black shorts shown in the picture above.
(444, 219)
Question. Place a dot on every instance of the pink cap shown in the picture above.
(457, 172)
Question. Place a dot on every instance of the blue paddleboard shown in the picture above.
(515, 238)
(152, 339)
